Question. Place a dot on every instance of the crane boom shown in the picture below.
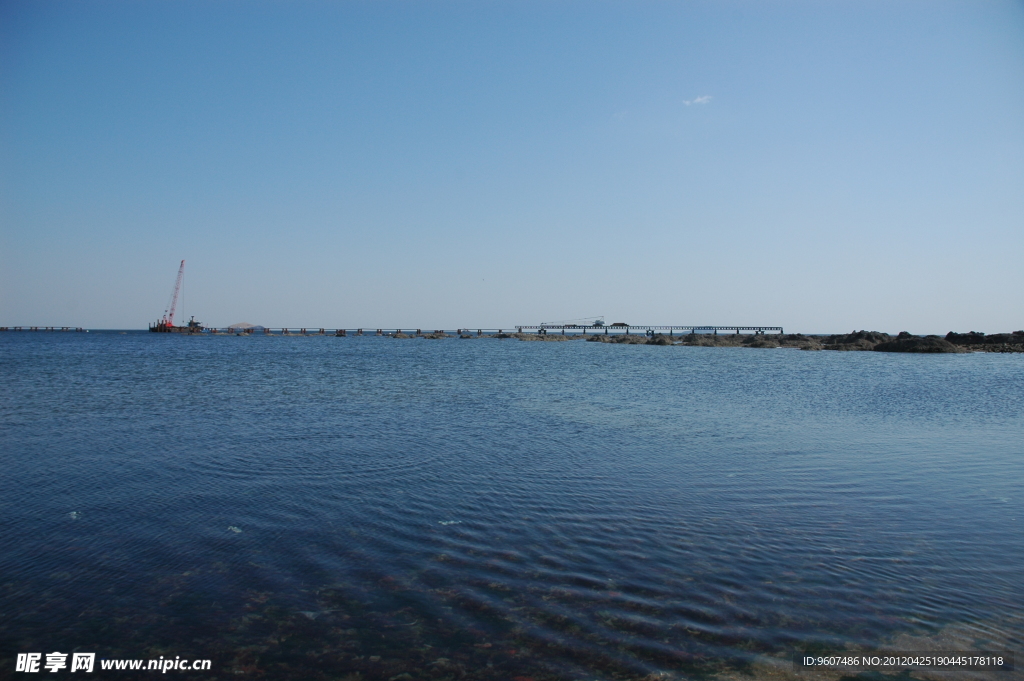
(169, 312)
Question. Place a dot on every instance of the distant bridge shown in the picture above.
(541, 329)
(648, 330)
(42, 328)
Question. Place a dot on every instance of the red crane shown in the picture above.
(169, 312)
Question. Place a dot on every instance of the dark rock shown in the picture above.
(908, 343)
(617, 338)
(857, 340)
(975, 338)
(980, 342)
(547, 337)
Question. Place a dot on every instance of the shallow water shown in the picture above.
(321, 507)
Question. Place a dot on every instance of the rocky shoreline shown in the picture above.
(856, 341)
(875, 341)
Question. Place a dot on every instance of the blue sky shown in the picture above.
(824, 166)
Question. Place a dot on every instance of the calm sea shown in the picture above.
(329, 508)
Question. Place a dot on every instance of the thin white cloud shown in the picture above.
(703, 99)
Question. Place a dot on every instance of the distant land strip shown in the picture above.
(876, 341)
(855, 341)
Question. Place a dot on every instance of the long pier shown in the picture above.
(539, 329)
(43, 328)
(648, 330)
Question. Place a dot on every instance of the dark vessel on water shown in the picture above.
(165, 327)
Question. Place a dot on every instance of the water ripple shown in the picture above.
(481, 508)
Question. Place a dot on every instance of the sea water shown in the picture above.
(370, 507)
